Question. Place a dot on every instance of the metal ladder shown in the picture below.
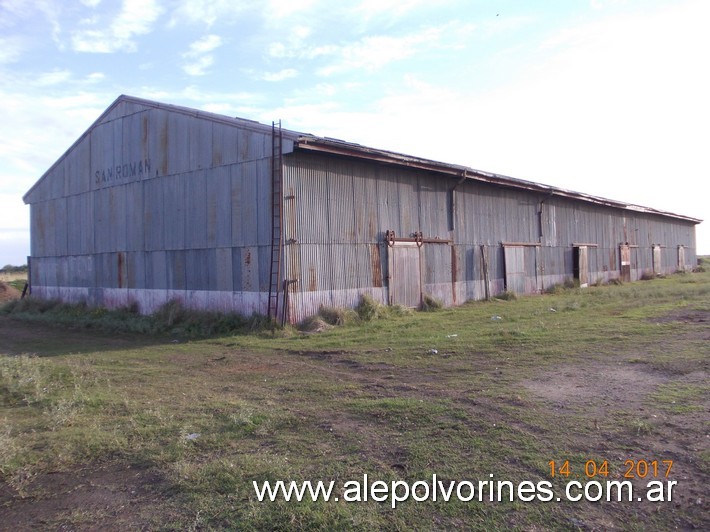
(276, 218)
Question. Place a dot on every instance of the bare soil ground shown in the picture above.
(8, 293)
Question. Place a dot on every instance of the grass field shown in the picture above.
(100, 428)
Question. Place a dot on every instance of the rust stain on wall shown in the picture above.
(121, 260)
(312, 280)
(144, 134)
(164, 148)
(376, 266)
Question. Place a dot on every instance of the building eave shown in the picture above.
(347, 149)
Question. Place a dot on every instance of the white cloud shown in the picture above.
(282, 75)
(95, 77)
(392, 8)
(283, 9)
(207, 12)
(372, 53)
(10, 50)
(207, 44)
(198, 56)
(136, 18)
(91, 3)
(601, 4)
(199, 66)
(53, 78)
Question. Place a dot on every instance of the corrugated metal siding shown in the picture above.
(153, 203)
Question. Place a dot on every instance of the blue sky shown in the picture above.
(608, 97)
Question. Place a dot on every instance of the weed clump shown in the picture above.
(337, 315)
(314, 324)
(507, 296)
(430, 304)
(368, 309)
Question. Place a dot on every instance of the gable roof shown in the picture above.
(313, 143)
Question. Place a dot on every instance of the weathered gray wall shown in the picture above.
(337, 211)
(155, 203)
(151, 204)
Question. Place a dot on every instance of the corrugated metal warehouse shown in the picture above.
(156, 202)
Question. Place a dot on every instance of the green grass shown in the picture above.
(396, 395)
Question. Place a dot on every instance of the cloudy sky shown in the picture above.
(608, 97)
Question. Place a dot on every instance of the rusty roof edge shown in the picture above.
(339, 147)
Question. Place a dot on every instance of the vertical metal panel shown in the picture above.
(514, 269)
(117, 217)
(407, 192)
(387, 201)
(625, 262)
(225, 145)
(56, 184)
(135, 231)
(135, 270)
(156, 270)
(263, 203)
(244, 204)
(175, 211)
(249, 259)
(133, 139)
(200, 133)
(60, 226)
(657, 264)
(77, 169)
(367, 227)
(153, 214)
(196, 211)
(224, 269)
(158, 141)
(314, 275)
(341, 212)
(196, 269)
(178, 141)
(253, 145)
(264, 253)
(404, 267)
(102, 230)
(236, 270)
(433, 205)
(211, 272)
(176, 265)
(581, 265)
(681, 258)
(305, 200)
(219, 207)
(102, 149)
